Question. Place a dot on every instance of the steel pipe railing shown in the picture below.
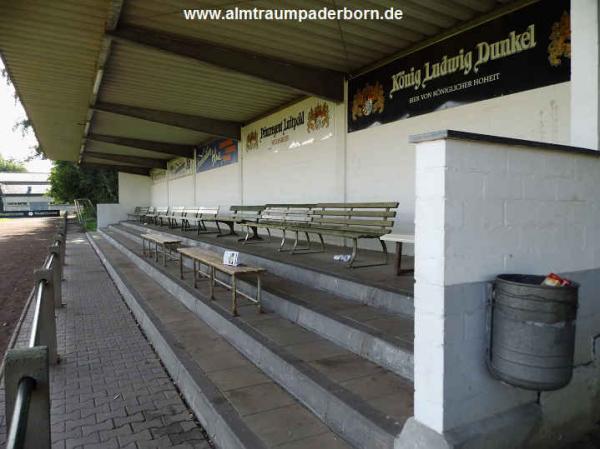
(26, 376)
(18, 429)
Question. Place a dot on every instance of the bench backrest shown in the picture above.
(369, 217)
(246, 212)
(286, 213)
(161, 210)
(207, 212)
(142, 210)
(176, 211)
(190, 211)
(137, 210)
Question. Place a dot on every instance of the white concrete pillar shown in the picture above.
(585, 74)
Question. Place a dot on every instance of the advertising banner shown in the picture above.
(30, 213)
(158, 174)
(215, 154)
(180, 167)
(304, 123)
(526, 49)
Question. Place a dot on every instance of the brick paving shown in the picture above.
(110, 389)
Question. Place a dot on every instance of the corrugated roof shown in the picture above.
(52, 50)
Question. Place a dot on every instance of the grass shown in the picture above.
(90, 224)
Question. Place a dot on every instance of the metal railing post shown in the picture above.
(32, 414)
(59, 241)
(44, 320)
(56, 269)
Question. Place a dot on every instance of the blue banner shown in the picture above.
(216, 154)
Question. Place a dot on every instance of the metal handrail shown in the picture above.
(18, 425)
(85, 210)
(17, 432)
(33, 339)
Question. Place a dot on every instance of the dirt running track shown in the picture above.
(24, 245)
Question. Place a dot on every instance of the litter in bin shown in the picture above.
(342, 257)
(554, 280)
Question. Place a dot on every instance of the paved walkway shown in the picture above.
(110, 389)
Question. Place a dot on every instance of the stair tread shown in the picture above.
(381, 396)
(273, 414)
(396, 328)
(373, 276)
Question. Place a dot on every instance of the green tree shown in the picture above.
(11, 165)
(69, 181)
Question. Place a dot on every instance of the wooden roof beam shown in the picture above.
(147, 162)
(220, 128)
(122, 168)
(174, 149)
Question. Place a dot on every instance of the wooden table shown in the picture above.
(166, 245)
(215, 263)
(399, 239)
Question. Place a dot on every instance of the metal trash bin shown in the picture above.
(532, 332)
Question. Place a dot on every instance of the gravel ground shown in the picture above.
(24, 245)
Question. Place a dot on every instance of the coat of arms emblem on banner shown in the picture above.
(318, 117)
(368, 100)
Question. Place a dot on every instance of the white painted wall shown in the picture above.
(181, 191)
(483, 209)
(220, 187)
(159, 193)
(375, 164)
(585, 73)
(134, 190)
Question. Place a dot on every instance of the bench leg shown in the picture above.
(259, 293)
(385, 251)
(195, 273)
(322, 242)
(156, 253)
(234, 310)
(212, 282)
(254, 236)
(181, 265)
(282, 245)
(307, 248)
(231, 230)
(354, 252)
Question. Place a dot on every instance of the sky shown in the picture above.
(12, 143)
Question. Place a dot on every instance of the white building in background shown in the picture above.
(24, 191)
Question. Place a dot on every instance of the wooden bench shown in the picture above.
(399, 239)
(173, 214)
(279, 217)
(152, 216)
(238, 215)
(202, 216)
(189, 213)
(138, 213)
(162, 244)
(214, 263)
(352, 221)
(151, 211)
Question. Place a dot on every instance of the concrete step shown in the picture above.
(382, 337)
(374, 286)
(362, 402)
(237, 404)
